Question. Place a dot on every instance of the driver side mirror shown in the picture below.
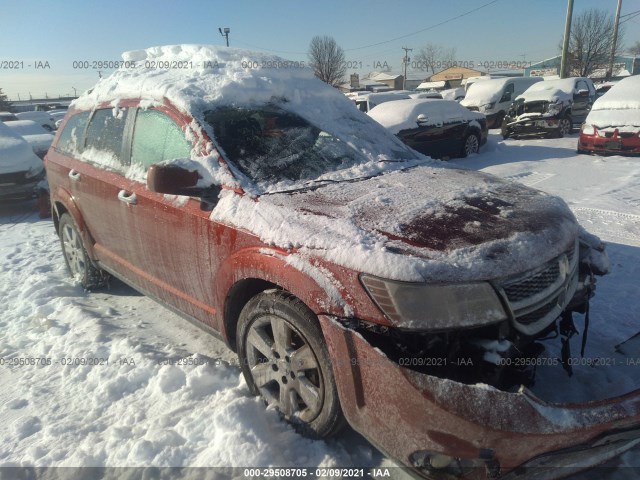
(176, 180)
(422, 120)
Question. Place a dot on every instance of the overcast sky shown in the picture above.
(54, 35)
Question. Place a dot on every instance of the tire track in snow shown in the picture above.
(612, 226)
(530, 178)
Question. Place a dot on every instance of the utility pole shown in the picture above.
(614, 41)
(406, 61)
(565, 43)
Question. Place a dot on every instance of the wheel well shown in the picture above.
(237, 297)
(58, 210)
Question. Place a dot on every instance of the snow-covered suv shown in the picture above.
(355, 277)
(550, 108)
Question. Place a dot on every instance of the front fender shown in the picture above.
(298, 274)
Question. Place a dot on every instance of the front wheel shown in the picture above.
(75, 256)
(470, 144)
(284, 359)
(565, 126)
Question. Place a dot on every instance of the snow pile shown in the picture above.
(619, 107)
(218, 76)
(111, 397)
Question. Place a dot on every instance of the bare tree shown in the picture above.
(590, 42)
(635, 49)
(327, 59)
(5, 105)
(434, 57)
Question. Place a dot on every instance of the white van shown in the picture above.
(493, 97)
(367, 102)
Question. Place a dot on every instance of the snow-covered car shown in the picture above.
(45, 119)
(438, 128)
(426, 94)
(7, 116)
(37, 137)
(550, 108)
(456, 94)
(356, 278)
(494, 96)
(613, 125)
(603, 88)
(20, 169)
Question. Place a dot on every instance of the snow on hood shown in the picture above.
(15, 153)
(552, 91)
(220, 76)
(487, 91)
(402, 115)
(422, 224)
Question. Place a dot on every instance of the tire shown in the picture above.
(470, 144)
(565, 126)
(505, 130)
(78, 262)
(285, 360)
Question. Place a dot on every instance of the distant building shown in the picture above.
(454, 75)
(623, 66)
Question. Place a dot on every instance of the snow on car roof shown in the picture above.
(550, 90)
(625, 94)
(198, 78)
(26, 127)
(401, 115)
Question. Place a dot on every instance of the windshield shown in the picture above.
(271, 145)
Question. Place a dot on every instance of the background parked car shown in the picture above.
(603, 88)
(367, 102)
(20, 169)
(7, 116)
(438, 128)
(45, 119)
(493, 97)
(613, 125)
(36, 136)
(550, 108)
(427, 94)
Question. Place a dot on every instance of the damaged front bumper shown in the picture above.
(442, 428)
(534, 126)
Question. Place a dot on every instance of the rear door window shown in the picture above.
(156, 138)
(105, 138)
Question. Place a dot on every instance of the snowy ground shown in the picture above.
(109, 399)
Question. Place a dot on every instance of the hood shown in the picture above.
(552, 95)
(421, 224)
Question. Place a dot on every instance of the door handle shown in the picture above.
(127, 197)
(73, 175)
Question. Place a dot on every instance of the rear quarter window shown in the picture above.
(105, 138)
(71, 138)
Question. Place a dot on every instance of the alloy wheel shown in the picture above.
(471, 145)
(284, 368)
(74, 251)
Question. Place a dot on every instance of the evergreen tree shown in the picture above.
(5, 105)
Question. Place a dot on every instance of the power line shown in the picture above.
(444, 22)
(424, 29)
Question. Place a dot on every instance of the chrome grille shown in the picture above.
(537, 297)
(534, 284)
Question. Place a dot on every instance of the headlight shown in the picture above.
(34, 171)
(435, 307)
(554, 108)
(588, 129)
(487, 106)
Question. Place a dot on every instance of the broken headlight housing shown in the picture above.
(554, 108)
(425, 307)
